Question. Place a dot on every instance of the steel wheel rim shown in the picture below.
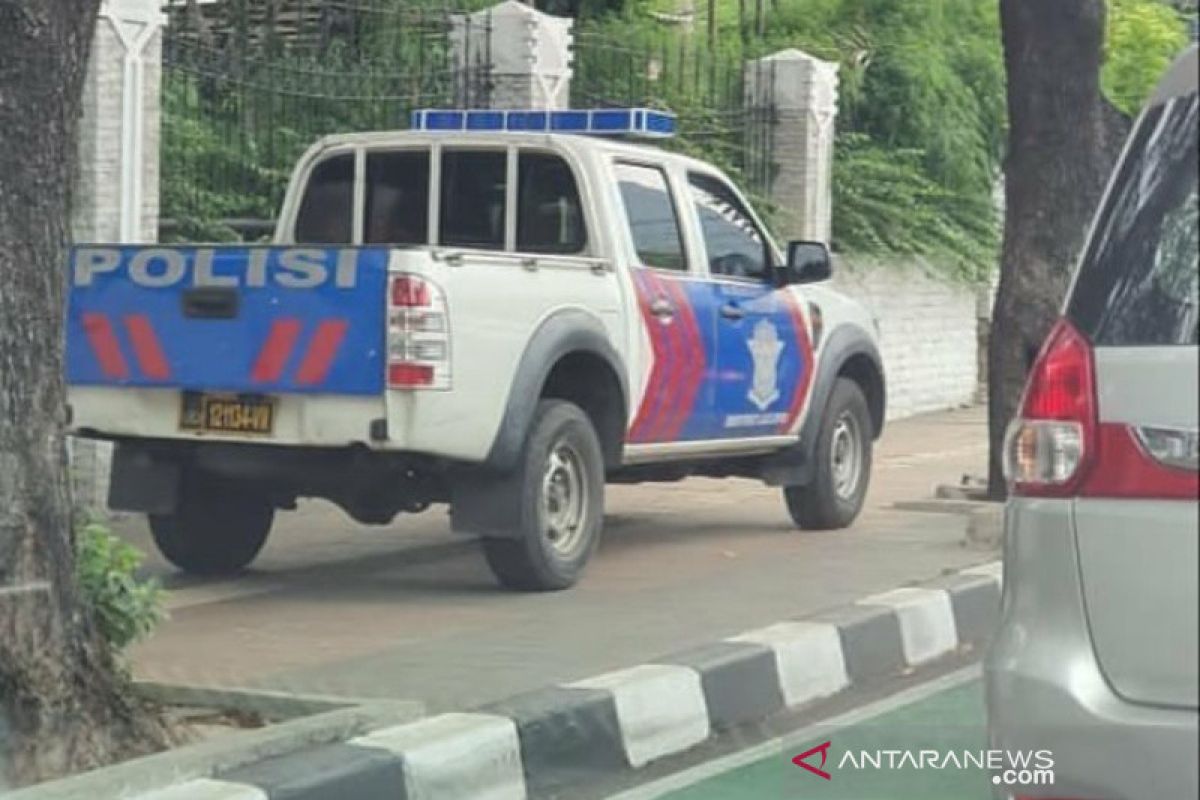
(845, 456)
(564, 499)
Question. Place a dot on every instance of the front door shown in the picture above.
(764, 355)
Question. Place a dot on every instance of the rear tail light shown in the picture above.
(418, 334)
(1047, 446)
(1057, 447)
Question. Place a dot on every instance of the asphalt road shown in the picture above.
(409, 611)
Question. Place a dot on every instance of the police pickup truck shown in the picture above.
(494, 310)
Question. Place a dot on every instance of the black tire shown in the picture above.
(532, 559)
(832, 500)
(217, 529)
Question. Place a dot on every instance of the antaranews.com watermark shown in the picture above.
(1008, 767)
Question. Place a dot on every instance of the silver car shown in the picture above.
(1095, 660)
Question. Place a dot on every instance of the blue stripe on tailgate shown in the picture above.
(307, 320)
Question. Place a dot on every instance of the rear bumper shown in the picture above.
(1045, 689)
(319, 420)
(150, 475)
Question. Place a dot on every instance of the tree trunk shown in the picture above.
(1062, 142)
(62, 703)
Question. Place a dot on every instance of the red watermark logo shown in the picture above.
(823, 749)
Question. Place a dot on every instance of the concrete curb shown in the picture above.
(546, 741)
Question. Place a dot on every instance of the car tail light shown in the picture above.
(1048, 445)
(418, 335)
(1057, 447)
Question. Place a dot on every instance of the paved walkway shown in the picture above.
(408, 611)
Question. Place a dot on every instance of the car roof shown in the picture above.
(1180, 79)
(575, 143)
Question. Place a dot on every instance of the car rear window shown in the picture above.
(1139, 279)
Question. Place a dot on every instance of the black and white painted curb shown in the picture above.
(561, 736)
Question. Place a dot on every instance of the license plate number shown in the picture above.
(227, 413)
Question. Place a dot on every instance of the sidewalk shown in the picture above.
(680, 565)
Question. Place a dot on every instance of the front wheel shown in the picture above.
(217, 529)
(561, 484)
(835, 496)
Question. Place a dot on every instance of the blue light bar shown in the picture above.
(643, 122)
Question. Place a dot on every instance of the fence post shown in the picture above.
(524, 53)
(802, 90)
(116, 192)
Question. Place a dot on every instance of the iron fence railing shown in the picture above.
(724, 100)
(248, 85)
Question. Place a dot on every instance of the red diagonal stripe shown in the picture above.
(805, 362)
(146, 349)
(643, 423)
(103, 340)
(275, 351)
(692, 363)
(674, 347)
(321, 351)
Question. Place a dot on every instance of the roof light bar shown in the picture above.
(642, 122)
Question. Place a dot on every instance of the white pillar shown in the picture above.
(116, 193)
(802, 90)
(526, 52)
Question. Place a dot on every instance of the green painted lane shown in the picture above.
(950, 721)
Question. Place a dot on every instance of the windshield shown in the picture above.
(1138, 281)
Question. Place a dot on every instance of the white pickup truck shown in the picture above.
(498, 320)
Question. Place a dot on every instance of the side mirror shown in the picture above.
(807, 262)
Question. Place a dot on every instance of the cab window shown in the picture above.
(397, 198)
(473, 189)
(327, 210)
(549, 213)
(651, 215)
(736, 248)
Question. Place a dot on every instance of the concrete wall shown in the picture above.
(117, 185)
(928, 330)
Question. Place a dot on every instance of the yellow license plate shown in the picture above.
(227, 413)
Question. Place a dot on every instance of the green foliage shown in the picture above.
(885, 203)
(126, 608)
(1143, 37)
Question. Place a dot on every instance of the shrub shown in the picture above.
(126, 608)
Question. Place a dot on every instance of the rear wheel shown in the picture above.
(561, 485)
(843, 464)
(217, 529)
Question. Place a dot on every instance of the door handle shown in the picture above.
(662, 307)
(732, 311)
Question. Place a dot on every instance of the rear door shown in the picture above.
(1136, 299)
(678, 315)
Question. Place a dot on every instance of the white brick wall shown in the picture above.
(928, 329)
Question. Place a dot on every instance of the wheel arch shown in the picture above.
(568, 357)
(849, 352)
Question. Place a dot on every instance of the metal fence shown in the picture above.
(248, 85)
(724, 100)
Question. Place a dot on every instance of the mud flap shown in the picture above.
(141, 482)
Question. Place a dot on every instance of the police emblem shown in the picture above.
(765, 347)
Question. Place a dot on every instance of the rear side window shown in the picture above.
(327, 211)
(653, 220)
(549, 214)
(473, 198)
(397, 201)
(1140, 277)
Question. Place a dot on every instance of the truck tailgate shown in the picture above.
(247, 320)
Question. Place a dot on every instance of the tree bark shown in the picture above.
(63, 705)
(1063, 139)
